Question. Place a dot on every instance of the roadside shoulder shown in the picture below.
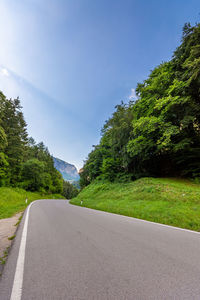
(8, 229)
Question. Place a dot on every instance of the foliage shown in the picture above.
(34, 176)
(14, 126)
(76, 184)
(169, 201)
(159, 133)
(69, 191)
(3, 168)
(23, 162)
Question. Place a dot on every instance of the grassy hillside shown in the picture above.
(169, 201)
(12, 200)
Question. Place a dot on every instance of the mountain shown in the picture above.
(68, 171)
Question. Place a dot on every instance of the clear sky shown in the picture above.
(72, 61)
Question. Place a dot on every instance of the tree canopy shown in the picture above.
(159, 133)
(23, 162)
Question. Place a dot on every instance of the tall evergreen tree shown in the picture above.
(14, 126)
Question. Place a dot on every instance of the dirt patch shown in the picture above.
(7, 230)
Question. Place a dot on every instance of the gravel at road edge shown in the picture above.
(8, 228)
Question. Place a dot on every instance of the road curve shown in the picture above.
(79, 253)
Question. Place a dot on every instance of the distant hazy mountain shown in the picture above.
(68, 171)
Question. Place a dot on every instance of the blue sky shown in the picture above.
(72, 61)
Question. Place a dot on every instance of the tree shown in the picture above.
(34, 176)
(14, 127)
(159, 133)
(22, 161)
(4, 171)
(69, 191)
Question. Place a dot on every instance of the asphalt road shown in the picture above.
(77, 253)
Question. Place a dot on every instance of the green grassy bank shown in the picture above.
(12, 200)
(169, 201)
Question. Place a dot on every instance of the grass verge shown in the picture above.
(12, 200)
(169, 201)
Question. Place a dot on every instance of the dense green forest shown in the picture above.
(69, 190)
(159, 133)
(23, 163)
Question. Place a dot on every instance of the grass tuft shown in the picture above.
(11, 237)
(18, 222)
(2, 261)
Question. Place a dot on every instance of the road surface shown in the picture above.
(77, 253)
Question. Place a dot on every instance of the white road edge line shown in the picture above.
(19, 272)
(137, 219)
(165, 225)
